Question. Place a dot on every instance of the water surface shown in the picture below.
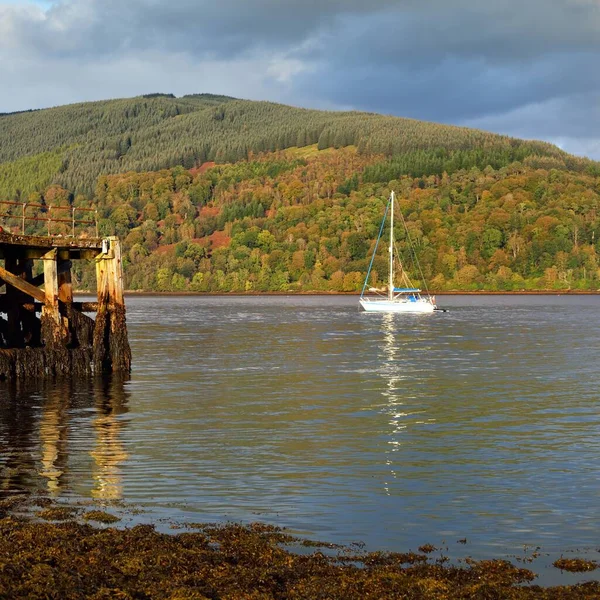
(393, 430)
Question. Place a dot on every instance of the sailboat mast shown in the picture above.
(391, 284)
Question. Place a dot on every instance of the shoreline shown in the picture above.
(357, 294)
(56, 550)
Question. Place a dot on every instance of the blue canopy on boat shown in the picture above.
(407, 290)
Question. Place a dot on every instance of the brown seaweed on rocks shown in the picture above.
(57, 513)
(575, 565)
(74, 560)
(100, 517)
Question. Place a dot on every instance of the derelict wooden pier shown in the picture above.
(62, 340)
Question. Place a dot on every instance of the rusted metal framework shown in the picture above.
(48, 211)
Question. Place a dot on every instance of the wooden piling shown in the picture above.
(53, 328)
(31, 325)
(12, 313)
(63, 340)
(111, 347)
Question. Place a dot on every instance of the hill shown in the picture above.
(215, 194)
(72, 145)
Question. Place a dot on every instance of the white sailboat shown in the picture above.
(405, 299)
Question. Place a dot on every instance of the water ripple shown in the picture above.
(481, 423)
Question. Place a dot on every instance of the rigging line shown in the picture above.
(414, 253)
(405, 276)
(376, 244)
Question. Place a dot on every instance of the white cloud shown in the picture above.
(283, 70)
(77, 81)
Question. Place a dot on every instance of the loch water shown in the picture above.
(479, 424)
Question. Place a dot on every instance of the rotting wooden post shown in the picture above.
(52, 323)
(51, 286)
(80, 327)
(101, 328)
(115, 273)
(31, 324)
(65, 297)
(119, 345)
(14, 337)
(65, 285)
(111, 347)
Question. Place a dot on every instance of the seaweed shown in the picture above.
(100, 517)
(575, 565)
(71, 559)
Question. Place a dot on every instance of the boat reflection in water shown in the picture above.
(393, 401)
(48, 428)
(399, 367)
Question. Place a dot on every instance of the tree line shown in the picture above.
(307, 220)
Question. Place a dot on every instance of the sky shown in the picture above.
(526, 68)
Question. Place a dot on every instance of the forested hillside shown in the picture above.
(307, 220)
(485, 212)
(72, 145)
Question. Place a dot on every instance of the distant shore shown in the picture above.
(289, 293)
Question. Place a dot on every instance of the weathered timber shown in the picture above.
(20, 284)
(63, 340)
(36, 307)
(63, 266)
(32, 329)
(54, 331)
(31, 246)
(111, 348)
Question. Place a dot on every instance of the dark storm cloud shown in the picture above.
(222, 28)
(455, 90)
(563, 120)
(416, 32)
(456, 61)
(442, 65)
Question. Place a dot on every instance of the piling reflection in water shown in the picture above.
(53, 437)
(17, 429)
(39, 421)
(110, 452)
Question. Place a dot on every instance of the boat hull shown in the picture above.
(395, 306)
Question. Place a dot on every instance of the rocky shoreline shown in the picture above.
(50, 551)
